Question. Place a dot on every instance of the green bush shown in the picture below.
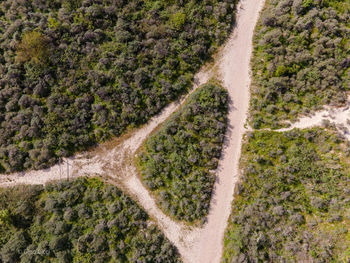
(292, 203)
(75, 73)
(178, 20)
(177, 162)
(33, 47)
(301, 59)
(55, 233)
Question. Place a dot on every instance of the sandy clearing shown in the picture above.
(57, 172)
(195, 244)
(339, 116)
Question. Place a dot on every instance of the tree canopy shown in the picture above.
(301, 59)
(84, 220)
(178, 162)
(292, 204)
(75, 73)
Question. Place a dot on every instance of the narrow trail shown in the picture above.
(115, 160)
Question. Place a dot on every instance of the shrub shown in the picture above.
(178, 20)
(33, 47)
(300, 60)
(13, 249)
(290, 210)
(60, 235)
(84, 71)
(176, 162)
(58, 243)
(5, 217)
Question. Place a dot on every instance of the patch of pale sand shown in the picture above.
(68, 169)
(339, 116)
(307, 121)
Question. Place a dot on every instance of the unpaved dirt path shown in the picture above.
(339, 116)
(196, 245)
(234, 70)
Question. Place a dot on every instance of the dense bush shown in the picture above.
(301, 59)
(73, 73)
(33, 47)
(78, 221)
(292, 204)
(177, 162)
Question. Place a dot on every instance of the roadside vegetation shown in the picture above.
(301, 59)
(75, 73)
(83, 220)
(178, 161)
(292, 204)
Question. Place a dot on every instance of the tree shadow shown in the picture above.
(228, 135)
(226, 143)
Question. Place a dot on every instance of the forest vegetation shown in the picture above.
(84, 220)
(178, 162)
(292, 204)
(75, 73)
(301, 59)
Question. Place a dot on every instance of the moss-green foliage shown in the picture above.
(292, 204)
(176, 161)
(33, 47)
(301, 59)
(78, 221)
(105, 66)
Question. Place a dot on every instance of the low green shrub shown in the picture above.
(83, 220)
(292, 204)
(177, 162)
(301, 59)
(76, 73)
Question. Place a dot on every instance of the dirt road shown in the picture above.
(234, 68)
(196, 245)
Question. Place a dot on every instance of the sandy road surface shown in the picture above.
(234, 68)
(197, 245)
